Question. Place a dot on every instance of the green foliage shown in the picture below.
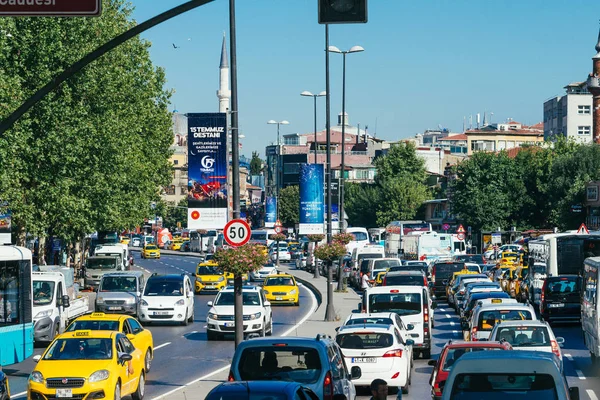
(93, 153)
(255, 164)
(397, 194)
(289, 205)
(241, 260)
(173, 215)
(330, 251)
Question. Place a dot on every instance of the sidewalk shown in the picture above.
(344, 303)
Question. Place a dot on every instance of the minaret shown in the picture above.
(593, 85)
(224, 93)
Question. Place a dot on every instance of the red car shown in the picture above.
(451, 352)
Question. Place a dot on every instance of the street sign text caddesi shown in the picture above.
(237, 232)
(54, 8)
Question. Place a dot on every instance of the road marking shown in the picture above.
(455, 332)
(189, 333)
(313, 308)
(442, 309)
(592, 394)
(580, 374)
(569, 357)
(451, 323)
(162, 345)
(14, 396)
(448, 316)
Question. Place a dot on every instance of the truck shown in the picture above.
(96, 266)
(116, 249)
(56, 302)
(431, 246)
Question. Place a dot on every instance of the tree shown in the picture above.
(255, 164)
(361, 201)
(289, 205)
(176, 214)
(92, 154)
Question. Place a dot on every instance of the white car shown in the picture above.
(167, 298)
(529, 335)
(379, 351)
(258, 317)
(284, 255)
(136, 242)
(260, 274)
(506, 247)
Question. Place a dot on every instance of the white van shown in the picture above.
(368, 251)
(361, 238)
(412, 304)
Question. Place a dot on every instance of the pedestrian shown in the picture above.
(365, 281)
(379, 389)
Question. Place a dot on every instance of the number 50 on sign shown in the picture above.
(237, 232)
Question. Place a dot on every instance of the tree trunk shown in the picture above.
(21, 236)
(330, 312)
(317, 273)
(238, 310)
(277, 255)
(340, 275)
(41, 250)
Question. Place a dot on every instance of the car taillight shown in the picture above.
(393, 353)
(424, 281)
(328, 387)
(230, 378)
(436, 389)
(474, 334)
(433, 275)
(543, 290)
(555, 348)
(383, 284)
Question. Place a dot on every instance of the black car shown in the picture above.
(560, 299)
(441, 273)
(272, 389)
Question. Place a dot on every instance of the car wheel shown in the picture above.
(405, 389)
(297, 303)
(263, 331)
(118, 391)
(139, 392)
(191, 318)
(148, 360)
(56, 330)
(185, 321)
(270, 331)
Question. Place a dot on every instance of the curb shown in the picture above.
(312, 288)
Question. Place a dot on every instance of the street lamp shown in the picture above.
(314, 96)
(353, 49)
(279, 166)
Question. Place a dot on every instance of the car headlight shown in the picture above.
(293, 291)
(131, 300)
(100, 300)
(36, 376)
(43, 314)
(255, 316)
(198, 279)
(88, 274)
(98, 376)
(213, 316)
(180, 303)
(221, 279)
(144, 302)
(266, 291)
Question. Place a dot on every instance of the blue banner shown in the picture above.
(312, 213)
(207, 170)
(270, 212)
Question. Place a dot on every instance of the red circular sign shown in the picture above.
(278, 228)
(195, 214)
(237, 232)
(460, 236)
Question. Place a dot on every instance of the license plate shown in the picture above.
(114, 308)
(209, 287)
(161, 313)
(556, 305)
(278, 298)
(364, 360)
(228, 324)
(64, 393)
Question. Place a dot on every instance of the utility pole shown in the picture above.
(330, 311)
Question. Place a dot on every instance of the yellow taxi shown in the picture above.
(379, 278)
(88, 364)
(176, 244)
(282, 289)
(450, 284)
(126, 324)
(150, 251)
(209, 278)
(125, 240)
(514, 278)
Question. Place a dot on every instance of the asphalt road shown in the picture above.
(182, 353)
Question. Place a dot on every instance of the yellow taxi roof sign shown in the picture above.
(98, 314)
(83, 333)
(496, 301)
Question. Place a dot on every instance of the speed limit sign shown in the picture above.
(237, 232)
(278, 228)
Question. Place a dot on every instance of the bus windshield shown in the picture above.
(101, 263)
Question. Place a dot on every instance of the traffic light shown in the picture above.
(342, 11)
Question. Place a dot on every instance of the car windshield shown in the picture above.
(370, 320)
(524, 336)
(228, 298)
(362, 256)
(206, 270)
(164, 288)
(489, 318)
(404, 280)
(360, 236)
(151, 247)
(102, 263)
(93, 325)
(259, 236)
(400, 303)
(364, 340)
(80, 349)
(474, 258)
(453, 354)
(530, 386)
(43, 292)
(293, 363)
(385, 264)
(118, 284)
(562, 286)
(279, 281)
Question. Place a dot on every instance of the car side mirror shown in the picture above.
(267, 304)
(125, 357)
(337, 328)
(210, 304)
(65, 301)
(410, 327)
(37, 357)
(409, 342)
(434, 305)
(560, 341)
(356, 373)
(432, 363)
(299, 284)
(574, 393)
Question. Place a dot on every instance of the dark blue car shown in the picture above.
(273, 390)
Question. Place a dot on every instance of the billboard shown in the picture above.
(312, 211)
(270, 212)
(5, 227)
(56, 8)
(207, 170)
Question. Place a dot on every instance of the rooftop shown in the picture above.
(460, 136)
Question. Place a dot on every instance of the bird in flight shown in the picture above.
(175, 47)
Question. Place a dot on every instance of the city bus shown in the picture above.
(16, 305)
(394, 232)
(564, 253)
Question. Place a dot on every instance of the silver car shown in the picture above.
(120, 292)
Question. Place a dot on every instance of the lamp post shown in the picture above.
(314, 96)
(279, 167)
(353, 49)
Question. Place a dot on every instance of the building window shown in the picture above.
(184, 190)
(583, 130)
(291, 168)
(362, 174)
(170, 190)
(584, 109)
(291, 141)
(175, 162)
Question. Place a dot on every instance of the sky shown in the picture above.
(426, 63)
